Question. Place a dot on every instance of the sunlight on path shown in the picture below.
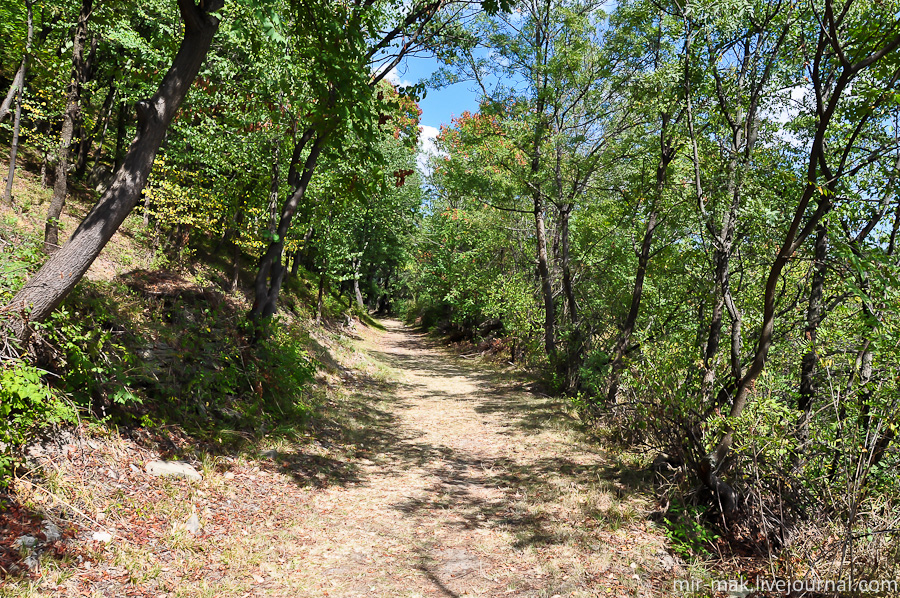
(475, 487)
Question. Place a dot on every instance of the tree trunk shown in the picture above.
(320, 302)
(98, 153)
(121, 132)
(14, 149)
(575, 351)
(802, 225)
(236, 252)
(815, 313)
(621, 346)
(70, 117)
(356, 291)
(295, 265)
(20, 94)
(50, 285)
(667, 154)
(273, 191)
(271, 272)
(18, 82)
(544, 272)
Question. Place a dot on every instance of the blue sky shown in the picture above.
(439, 105)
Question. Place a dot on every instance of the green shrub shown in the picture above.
(687, 531)
(95, 364)
(26, 404)
(285, 369)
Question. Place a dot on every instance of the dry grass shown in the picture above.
(426, 475)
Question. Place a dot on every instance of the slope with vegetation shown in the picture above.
(683, 216)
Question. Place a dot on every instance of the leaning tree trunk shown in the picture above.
(19, 78)
(802, 225)
(73, 108)
(20, 94)
(17, 84)
(50, 285)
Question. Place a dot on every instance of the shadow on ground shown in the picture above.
(504, 493)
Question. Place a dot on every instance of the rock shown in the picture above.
(51, 531)
(454, 562)
(26, 541)
(271, 454)
(668, 562)
(134, 468)
(174, 468)
(229, 475)
(193, 524)
(664, 464)
(35, 450)
(101, 537)
(32, 561)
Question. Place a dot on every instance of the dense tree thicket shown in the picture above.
(687, 212)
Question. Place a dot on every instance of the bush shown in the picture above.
(26, 404)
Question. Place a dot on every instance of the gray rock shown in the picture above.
(454, 562)
(26, 541)
(193, 524)
(32, 561)
(271, 454)
(173, 468)
(51, 531)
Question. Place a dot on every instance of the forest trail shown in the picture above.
(475, 487)
(424, 474)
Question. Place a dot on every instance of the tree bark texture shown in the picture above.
(815, 313)
(13, 150)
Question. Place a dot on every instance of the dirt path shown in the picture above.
(426, 475)
(475, 487)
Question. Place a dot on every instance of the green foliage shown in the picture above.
(584, 128)
(20, 256)
(95, 363)
(26, 405)
(688, 534)
(285, 370)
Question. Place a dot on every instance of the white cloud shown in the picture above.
(427, 147)
(793, 101)
(785, 107)
(395, 79)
